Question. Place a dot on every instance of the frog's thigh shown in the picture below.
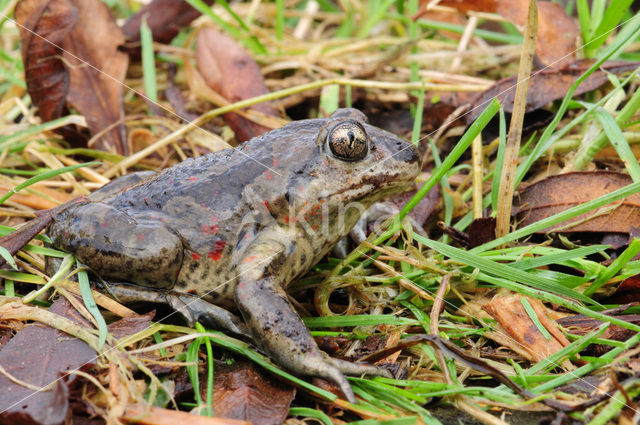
(272, 320)
(117, 246)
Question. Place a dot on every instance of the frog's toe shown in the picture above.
(360, 369)
(327, 370)
(195, 309)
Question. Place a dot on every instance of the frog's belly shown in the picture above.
(211, 279)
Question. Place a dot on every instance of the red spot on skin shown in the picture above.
(214, 218)
(195, 256)
(322, 201)
(268, 175)
(191, 291)
(105, 224)
(266, 204)
(250, 259)
(192, 178)
(164, 220)
(216, 253)
(275, 162)
(246, 236)
(301, 188)
(203, 206)
(296, 148)
(314, 227)
(140, 236)
(211, 229)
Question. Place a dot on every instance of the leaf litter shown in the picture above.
(561, 359)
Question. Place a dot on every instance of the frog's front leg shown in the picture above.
(273, 322)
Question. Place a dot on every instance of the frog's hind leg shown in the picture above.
(119, 246)
(274, 323)
(190, 307)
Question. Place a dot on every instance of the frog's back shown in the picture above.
(217, 202)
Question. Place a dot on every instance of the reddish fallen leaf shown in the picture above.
(82, 31)
(627, 292)
(165, 18)
(96, 90)
(151, 415)
(43, 27)
(482, 230)
(547, 86)
(39, 355)
(243, 391)
(558, 193)
(425, 208)
(581, 325)
(557, 32)
(229, 70)
(131, 325)
(513, 318)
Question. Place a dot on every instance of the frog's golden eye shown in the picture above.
(348, 141)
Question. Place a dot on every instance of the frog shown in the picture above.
(228, 231)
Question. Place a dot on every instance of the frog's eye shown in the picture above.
(348, 141)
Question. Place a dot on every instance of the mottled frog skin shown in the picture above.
(233, 228)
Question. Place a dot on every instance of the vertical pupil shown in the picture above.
(351, 137)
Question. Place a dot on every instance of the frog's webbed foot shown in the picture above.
(194, 309)
(359, 369)
(190, 307)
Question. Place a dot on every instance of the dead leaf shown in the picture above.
(44, 24)
(558, 193)
(96, 89)
(581, 325)
(165, 18)
(557, 32)
(131, 325)
(243, 391)
(229, 70)
(514, 320)
(627, 292)
(151, 415)
(81, 31)
(482, 230)
(547, 86)
(38, 355)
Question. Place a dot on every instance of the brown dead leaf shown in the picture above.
(627, 292)
(548, 85)
(557, 32)
(243, 391)
(44, 24)
(165, 18)
(38, 355)
(56, 75)
(514, 320)
(229, 70)
(558, 193)
(131, 325)
(151, 415)
(96, 90)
